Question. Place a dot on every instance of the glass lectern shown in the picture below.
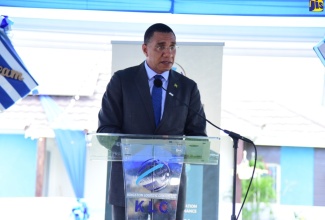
(152, 168)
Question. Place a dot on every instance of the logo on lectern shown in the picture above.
(153, 175)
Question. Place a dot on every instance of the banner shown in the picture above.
(15, 80)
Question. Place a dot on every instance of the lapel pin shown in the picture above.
(175, 85)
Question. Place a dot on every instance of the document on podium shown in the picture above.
(197, 151)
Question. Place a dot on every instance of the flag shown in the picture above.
(15, 80)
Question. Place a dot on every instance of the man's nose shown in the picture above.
(168, 51)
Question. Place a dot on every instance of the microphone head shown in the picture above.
(157, 83)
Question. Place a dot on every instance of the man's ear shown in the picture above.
(145, 49)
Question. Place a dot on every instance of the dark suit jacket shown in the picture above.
(127, 108)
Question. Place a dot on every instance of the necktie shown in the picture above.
(156, 100)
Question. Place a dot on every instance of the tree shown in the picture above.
(261, 193)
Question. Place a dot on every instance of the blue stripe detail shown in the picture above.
(19, 86)
(148, 172)
(253, 7)
(108, 5)
(7, 44)
(290, 8)
(5, 100)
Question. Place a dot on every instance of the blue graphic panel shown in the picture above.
(193, 208)
(297, 175)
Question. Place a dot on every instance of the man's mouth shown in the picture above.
(166, 62)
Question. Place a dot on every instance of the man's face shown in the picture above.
(160, 51)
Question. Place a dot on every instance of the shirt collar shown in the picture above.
(152, 73)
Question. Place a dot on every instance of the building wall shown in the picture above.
(17, 165)
(301, 173)
(58, 182)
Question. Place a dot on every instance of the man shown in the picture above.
(127, 106)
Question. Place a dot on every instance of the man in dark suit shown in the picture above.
(127, 106)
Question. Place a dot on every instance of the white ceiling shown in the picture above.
(273, 83)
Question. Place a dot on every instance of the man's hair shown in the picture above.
(158, 27)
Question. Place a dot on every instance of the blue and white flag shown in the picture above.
(15, 80)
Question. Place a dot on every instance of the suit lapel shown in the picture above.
(141, 81)
(172, 87)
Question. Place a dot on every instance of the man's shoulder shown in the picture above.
(181, 77)
(130, 70)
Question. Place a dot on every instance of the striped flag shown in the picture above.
(15, 80)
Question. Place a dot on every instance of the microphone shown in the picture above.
(158, 83)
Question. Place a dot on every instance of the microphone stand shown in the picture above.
(235, 137)
(235, 145)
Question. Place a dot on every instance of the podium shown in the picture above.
(153, 170)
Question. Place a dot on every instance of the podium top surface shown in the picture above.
(194, 149)
(150, 136)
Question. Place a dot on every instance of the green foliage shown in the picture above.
(261, 193)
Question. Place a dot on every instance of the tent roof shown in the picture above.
(210, 7)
